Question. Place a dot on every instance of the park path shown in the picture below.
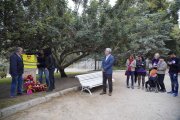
(124, 104)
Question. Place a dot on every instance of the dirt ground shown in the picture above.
(124, 104)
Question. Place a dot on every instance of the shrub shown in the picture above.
(3, 74)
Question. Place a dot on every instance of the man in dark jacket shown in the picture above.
(16, 71)
(42, 69)
(50, 64)
(173, 64)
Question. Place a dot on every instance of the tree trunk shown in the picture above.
(63, 74)
(95, 62)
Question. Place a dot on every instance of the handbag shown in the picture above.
(127, 72)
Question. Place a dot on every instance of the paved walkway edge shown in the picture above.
(5, 112)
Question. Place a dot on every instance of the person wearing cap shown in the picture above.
(107, 64)
(173, 64)
(161, 70)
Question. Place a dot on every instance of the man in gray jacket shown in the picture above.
(161, 67)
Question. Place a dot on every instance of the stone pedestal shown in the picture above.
(30, 72)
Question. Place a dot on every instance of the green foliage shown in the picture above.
(175, 34)
(2, 74)
(137, 26)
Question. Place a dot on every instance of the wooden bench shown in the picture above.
(89, 81)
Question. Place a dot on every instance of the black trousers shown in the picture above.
(107, 77)
(161, 81)
(51, 79)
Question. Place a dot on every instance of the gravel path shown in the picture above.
(124, 104)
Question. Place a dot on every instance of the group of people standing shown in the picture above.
(137, 69)
(46, 66)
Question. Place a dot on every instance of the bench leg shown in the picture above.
(86, 88)
(82, 89)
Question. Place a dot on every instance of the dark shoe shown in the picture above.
(19, 94)
(132, 87)
(110, 94)
(175, 94)
(162, 91)
(102, 93)
(171, 92)
(128, 86)
(49, 90)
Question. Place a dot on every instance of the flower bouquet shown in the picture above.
(32, 86)
(28, 83)
(39, 87)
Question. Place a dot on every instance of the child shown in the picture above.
(153, 73)
(152, 78)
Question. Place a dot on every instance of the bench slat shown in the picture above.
(90, 80)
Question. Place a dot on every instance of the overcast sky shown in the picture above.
(71, 4)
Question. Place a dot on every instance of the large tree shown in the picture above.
(131, 25)
(36, 24)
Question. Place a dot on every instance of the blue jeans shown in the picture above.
(51, 79)
(174, 82)
(44, 71)
(130, 74)
(16, 85)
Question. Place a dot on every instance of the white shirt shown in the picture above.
(108, 56)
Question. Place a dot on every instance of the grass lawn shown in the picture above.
(119, 67)
(57, 75)
(61, 83)
(5, 80)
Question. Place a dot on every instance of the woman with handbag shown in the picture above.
(130, 68)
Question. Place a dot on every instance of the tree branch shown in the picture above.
(76, 59)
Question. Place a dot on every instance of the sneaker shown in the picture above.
(175, 94)
(128, 86)
(19, 94)
(170, 92)
(102, 93)
(110, 94)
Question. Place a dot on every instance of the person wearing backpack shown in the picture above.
(173, 64)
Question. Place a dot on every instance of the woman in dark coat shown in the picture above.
(141, 70)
